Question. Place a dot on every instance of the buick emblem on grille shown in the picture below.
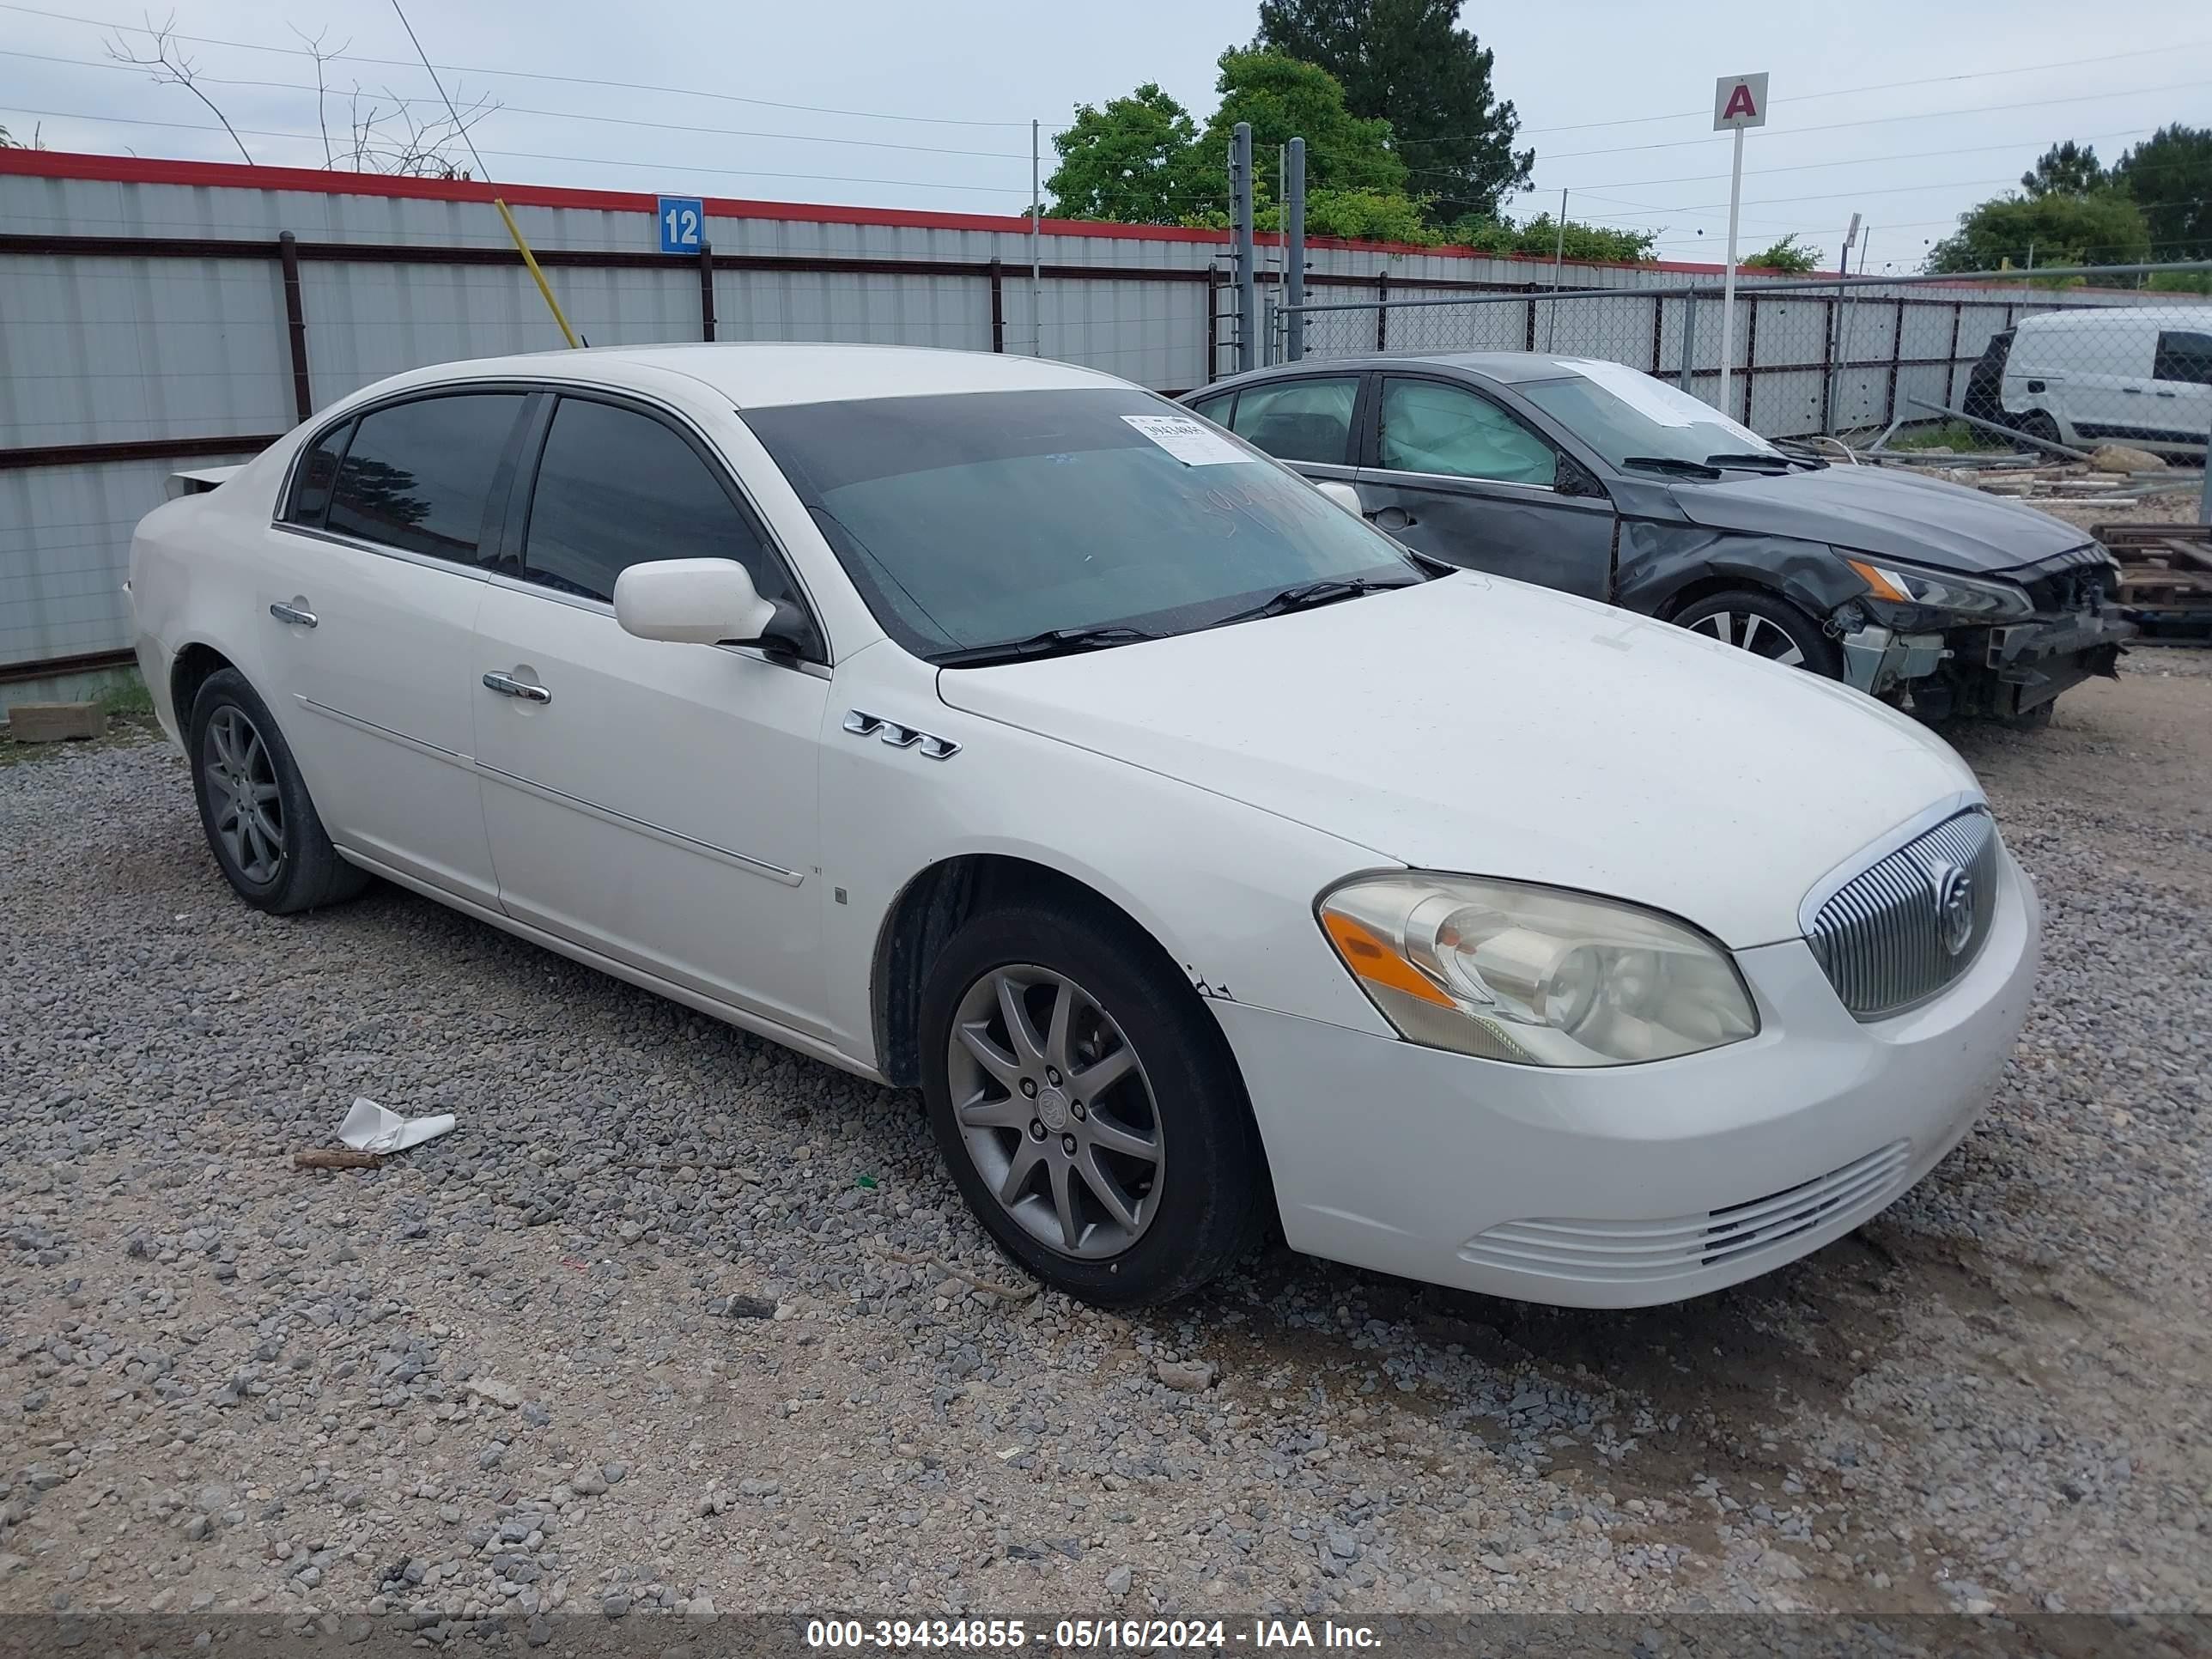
(1955, 907)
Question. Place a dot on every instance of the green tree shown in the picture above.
(1787, 255)
(1539, 237)
(1359, 216)
(1284, 99)
(2102, 227)
(2169, 176)
(2064, 169)
(1135, 161)
(1407, 62)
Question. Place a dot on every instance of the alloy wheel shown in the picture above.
(1751, 632)
(1056, 1111)
(247, 807)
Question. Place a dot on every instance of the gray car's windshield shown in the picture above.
(1624, 414)
(1052, 519)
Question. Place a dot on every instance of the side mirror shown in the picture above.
(1343, 495)
(693, 602)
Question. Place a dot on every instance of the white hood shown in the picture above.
(1488, 727)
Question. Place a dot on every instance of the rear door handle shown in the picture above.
(507, 686)
(295, 613)
(2132, 391)
(2166, 394)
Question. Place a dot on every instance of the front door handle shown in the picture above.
(295, 613)
(2132, 391)
(507, 686)
(1393, 517)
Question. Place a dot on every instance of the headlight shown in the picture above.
(1960, 594)
(1533, 975)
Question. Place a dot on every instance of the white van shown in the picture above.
(2135, 374)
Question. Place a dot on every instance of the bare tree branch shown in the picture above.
(170, 67)
(314, 45)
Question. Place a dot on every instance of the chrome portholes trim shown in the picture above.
(928, 745)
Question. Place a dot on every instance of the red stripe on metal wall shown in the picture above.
(235, 175)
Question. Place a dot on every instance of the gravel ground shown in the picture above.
(678, 1321)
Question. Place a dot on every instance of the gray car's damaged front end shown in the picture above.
(2036, 631)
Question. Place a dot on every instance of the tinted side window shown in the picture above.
(416, 474)
(617, 487)
(2183, 357)
(1429, 427)
(1215, 410)
(317, 471)
(1299, 420)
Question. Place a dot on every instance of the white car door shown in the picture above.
(367, 597)
(655, 802)
(2181, 384)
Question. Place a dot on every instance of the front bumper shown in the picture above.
(2006, 670)
(1639, 1184)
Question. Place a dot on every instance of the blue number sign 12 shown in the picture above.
(682, 223)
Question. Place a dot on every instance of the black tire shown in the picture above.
(231, 734)
(2037, 424)
(1208, 1189)
(1766, 625)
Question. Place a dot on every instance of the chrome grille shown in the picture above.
(1880, 937)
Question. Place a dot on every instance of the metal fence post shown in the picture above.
(1240, 229)
(705, 290)
(999, 307)
(1382, 311)
(1212, 323)
(1689, 338)
(1294, 250)
(295, 324)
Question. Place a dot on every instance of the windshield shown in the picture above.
(1620, 412)
(978, 519)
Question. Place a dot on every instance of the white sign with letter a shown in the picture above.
(1740, 100)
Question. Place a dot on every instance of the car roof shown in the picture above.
(1504, 367)
(2104, 316)
(759, 374)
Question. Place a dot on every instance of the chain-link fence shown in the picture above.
(1994, 362)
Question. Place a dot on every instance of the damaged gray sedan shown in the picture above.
(1597, 479)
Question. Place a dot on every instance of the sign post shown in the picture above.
(1739, 101)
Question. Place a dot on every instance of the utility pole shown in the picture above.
(1559, 259)
(1294, 250)
(1037, 287)
(1240, 231)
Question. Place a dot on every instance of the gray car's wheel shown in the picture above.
(1088, 1108)
(261, 826)
(1766, 627)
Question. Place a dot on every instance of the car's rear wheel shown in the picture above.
(2037, 424)
(1088, 1108)
(261, 826)
(1766, 627)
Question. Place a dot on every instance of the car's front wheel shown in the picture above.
(261, 826)
(1766, 627)
(1088, 1108)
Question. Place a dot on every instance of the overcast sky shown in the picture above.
(1615, 97)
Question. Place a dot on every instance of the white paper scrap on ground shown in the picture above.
(370, 1129)
(1188, 440)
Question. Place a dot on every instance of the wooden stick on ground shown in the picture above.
(335, 1157)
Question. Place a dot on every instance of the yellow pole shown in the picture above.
(537, 275)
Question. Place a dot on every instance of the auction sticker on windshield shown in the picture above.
(1655, 399)
(1188, 440)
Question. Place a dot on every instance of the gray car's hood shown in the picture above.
(1884, 511)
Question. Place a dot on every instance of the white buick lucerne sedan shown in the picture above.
(1207, 860)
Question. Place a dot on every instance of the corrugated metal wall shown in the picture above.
(184, 351)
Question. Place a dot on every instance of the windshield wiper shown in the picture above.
(1052, 642)
(1306, 595)
(1755, 460)
(1671, 463)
